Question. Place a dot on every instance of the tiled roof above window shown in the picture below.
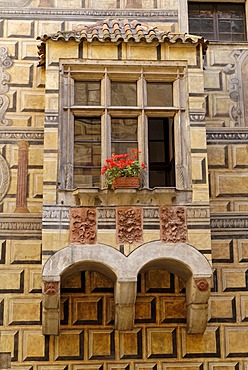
(120, 30)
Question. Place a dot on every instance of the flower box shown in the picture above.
(126, 182)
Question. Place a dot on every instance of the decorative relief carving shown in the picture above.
(5, 62)
(51, 118)
(129, 225)
(173, 224)
(4, 177)
(196, 117)
(237, 87)
(51, 287)
(202, 285)
(83, 226)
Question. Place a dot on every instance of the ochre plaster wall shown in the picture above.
(88, 340)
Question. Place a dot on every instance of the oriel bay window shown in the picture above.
(112, 108)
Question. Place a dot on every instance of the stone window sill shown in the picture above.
(128, 196)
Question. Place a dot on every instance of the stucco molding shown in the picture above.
(181, 259)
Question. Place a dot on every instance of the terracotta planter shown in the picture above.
(126, 182)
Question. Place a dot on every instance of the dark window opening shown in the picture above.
(217, 21)
(161, 152)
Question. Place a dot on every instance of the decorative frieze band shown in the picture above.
(56, 217)
(9, 135)
(166, 15)
(20, 225)
(224, 226)
(238, 221)
(229, 136)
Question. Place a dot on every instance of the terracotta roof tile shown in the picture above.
(120, 30)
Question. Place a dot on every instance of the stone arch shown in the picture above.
(188, 263)
(101, 258)
(181, 259)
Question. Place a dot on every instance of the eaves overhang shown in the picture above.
(117, 31)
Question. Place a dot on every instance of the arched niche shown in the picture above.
(181, 259)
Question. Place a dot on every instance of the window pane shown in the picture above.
(87, 177)
(87, 154)
(123, 135)
(218, 21)
(122, 148)
(87, 129)
(87, 93)
(87, 151)
(124, 129)
(159, 94)
(123, 93)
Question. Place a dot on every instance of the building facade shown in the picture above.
(154, 277)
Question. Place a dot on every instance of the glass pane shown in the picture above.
(122, 148)
(87, 92)
(87, 154)
(87, 177)
(217, 21)
(224, 26)
(87, 129)
(238, 26)
(159, 94)
(123, 93)
(123, 129)
(87, 151)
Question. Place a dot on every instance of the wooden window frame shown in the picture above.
(215, 30)
(157, 71)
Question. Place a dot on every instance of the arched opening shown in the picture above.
(181, 260)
